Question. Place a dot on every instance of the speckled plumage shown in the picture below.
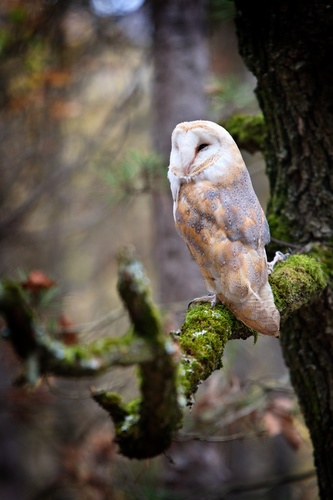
(219, 216)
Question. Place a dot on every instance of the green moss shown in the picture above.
(278, 222)
(18, 15)
(296, 282)
(278, 226)
(11, 294)
(133, 434)
(324, 255)
(205, 329)
(102, 346)
(255, 336)
(113, 404)
(133, 406)
(107, 398)
(313, 269)
(133, 287)
(202, 340)
(247, 130)
(125, 416)
(5, 40)
(192, 374)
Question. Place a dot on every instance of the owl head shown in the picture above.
(198, 145)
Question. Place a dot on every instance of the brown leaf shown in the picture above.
(67, 332)
(57, 78)
(38, 281)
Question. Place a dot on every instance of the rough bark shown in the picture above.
(180, 62)
(288, 46)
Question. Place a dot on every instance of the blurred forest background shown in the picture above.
(89, 95)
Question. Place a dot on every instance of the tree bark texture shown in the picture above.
(180, 60)
(289, 46)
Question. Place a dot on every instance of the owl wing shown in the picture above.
(241, 213)
(244, 283)
(225, 230)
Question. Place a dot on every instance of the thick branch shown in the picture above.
(144, 428)
(205, 332)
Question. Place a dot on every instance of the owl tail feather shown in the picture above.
(258, 311)
(268, 323)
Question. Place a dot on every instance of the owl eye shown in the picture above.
(202, 146)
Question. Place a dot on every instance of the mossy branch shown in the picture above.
(247, 130)
(31, 341)
(295, 283)
(144, 427)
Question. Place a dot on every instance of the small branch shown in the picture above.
(31, 340)
(144, 428)
(240, 436)
(267, 483)
(100, 323)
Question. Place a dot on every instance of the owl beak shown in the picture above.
(187, 168)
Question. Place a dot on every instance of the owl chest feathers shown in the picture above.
(223, 225)
(209, 210)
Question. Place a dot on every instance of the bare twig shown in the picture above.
(266, 484)
(240, 436)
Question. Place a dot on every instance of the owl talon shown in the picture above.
(279, 257)
(212, 299)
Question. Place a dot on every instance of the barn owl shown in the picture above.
(218, 214)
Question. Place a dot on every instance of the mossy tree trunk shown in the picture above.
(289, 46)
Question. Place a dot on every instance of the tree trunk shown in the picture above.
(289, 46)
(180, 69)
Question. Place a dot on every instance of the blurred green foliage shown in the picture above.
(221, 10)
(231, 94)
(136, 174)
(247, 130)
(15, 28)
